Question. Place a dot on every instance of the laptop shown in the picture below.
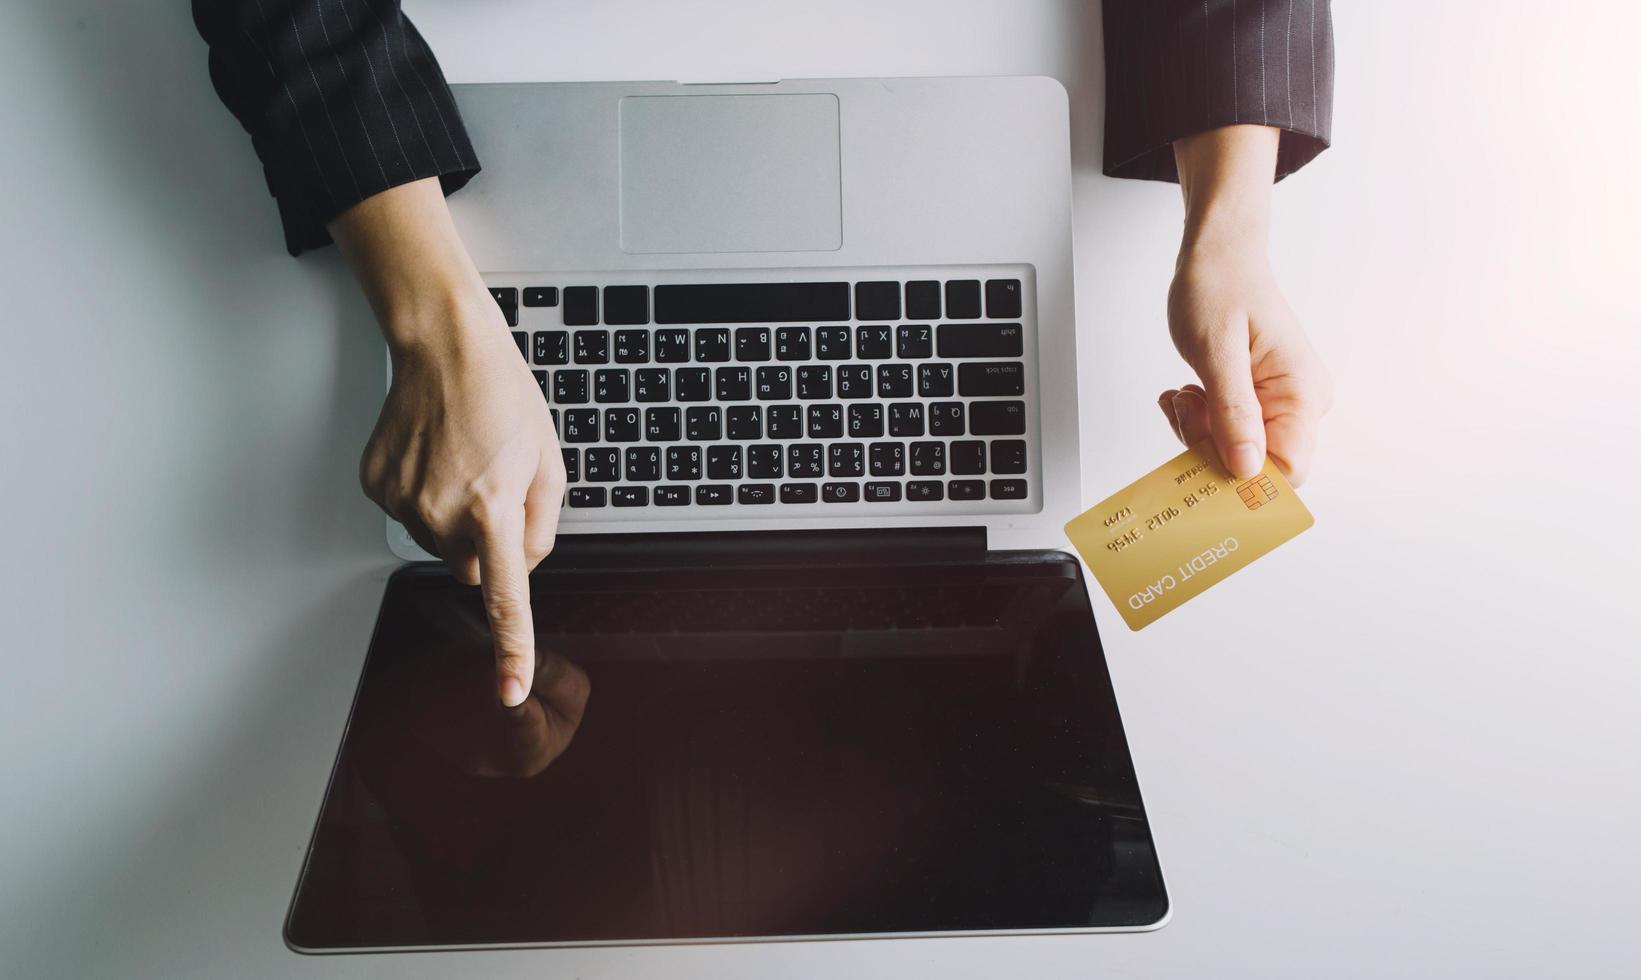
(812, 664)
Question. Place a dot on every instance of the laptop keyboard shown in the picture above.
(858, 391)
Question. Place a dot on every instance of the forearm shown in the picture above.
(411, 263)
(1226, 175)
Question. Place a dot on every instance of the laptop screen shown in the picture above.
(735, 754)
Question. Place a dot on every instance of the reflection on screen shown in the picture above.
(734, 754)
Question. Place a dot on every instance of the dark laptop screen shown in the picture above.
(735, 753)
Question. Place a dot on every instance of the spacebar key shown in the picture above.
(752, 302)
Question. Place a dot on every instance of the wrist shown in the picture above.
(1226, 175)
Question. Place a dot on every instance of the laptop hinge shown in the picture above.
(708, 549)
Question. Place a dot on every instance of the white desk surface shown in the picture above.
(1404, 745)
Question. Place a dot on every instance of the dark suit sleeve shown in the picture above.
(1178, 67)
(342, 98)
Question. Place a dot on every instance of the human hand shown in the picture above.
(464, 454)
(1263, 390)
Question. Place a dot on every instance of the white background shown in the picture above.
(1404, 744)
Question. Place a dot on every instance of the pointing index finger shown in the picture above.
(504, 579)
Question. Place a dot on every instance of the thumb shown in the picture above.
(1234, 415)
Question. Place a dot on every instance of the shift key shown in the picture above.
(979, 340)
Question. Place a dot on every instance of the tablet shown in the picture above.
(734, 754)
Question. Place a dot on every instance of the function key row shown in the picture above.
(716, 494)
(924, 299)
(708, 345)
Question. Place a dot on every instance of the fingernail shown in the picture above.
(1244, 459)
(512, 692)
(1182, 410)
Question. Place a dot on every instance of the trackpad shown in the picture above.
(730, 173)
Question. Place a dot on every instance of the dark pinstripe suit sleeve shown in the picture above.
(342, 98)
(1178, 67)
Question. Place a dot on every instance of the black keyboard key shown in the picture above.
(883, 492)
(979, 340)
(894, 381)
(935, 380)
(914, 340)
(888, 458)
(840, 493)
(923, 300)
(622, 425)
(592, 347)
(963, 299)
(511, 315)
(1008, 456)
(661, 425)
(773, 381)
(504, 296)
(1008, 489)
(552, 346)
(692, 384)
(825, 421)
(969, 458)
(922, 490)
(683, 462)
(552, 412)
(784, 421)
(765, 462)
(743, 422)
(928, 459)
(764, 302)
(979, 379)
(711, 345)
(523, 340)
(541, 296)
(792, 343)
(752, 343)
(805, 459)
(865, 421)
(846, 459)
(572, 464)
(671, 496)
(570, 387)
(704, 423)
(581, 425)
(652, 385)
(580, 306)
(755, 493)
(877, 301)
(671, 346)
(945, 418)
(874, 343)
(587, 497)
(734, 384)
(906, 419)
(815, 381)
(541, 382)
(799, 493)
(632, 346)
(644, 463)
(1002, 299)
(714, 494)
(630, 496)
(625, 305)
(966, 489)
(600, 465)
(855, 381)
(832, 343)
(997, 418)
(611, 386)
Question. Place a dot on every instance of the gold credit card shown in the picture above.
(1186, 525)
